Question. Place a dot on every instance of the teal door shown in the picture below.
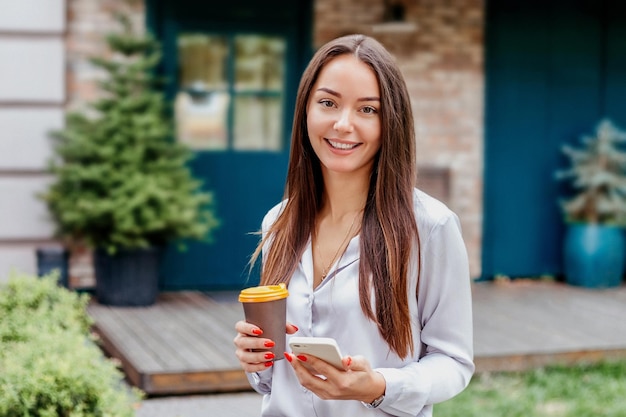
(553, 69)
(233, 72)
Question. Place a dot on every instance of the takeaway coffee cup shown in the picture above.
(266, 306)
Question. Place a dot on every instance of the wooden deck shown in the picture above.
(184, 343)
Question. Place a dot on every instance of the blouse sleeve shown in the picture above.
(445, 310)
(261, 382)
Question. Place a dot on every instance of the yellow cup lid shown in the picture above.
(263, 293)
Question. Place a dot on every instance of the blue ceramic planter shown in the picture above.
(594, 255)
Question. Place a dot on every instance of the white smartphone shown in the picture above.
(325, 348)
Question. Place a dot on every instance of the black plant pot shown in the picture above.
(130, 277)
(53, 258)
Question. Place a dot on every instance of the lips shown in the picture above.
(342, 146)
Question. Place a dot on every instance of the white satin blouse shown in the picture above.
(441, 316)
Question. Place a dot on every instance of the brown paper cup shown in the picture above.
(266, 307)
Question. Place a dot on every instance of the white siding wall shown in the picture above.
(21, 217)
(32, 16)
(32, 69)
(24, 143)
(32, 98)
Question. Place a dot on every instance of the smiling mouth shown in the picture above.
(342, 146)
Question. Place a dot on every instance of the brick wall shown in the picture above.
(88, 23)
(439, 47)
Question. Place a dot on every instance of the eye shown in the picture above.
(369, 110)
(327, 103)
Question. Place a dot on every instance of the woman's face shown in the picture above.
(343, 116)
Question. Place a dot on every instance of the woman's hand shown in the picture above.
(356, 382)
(252, 349)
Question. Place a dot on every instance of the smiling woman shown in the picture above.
(350, 239)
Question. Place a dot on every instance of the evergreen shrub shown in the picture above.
(50, 363)
(597, 176)
(121, 181)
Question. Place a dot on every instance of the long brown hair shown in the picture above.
(388, 231)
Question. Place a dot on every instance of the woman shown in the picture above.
(369, 259)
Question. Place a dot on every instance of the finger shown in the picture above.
(256, 367)
(248, 328)
(254, 360)
(253, 353)
(245, 342)
(291, 328)
(302, 361)
(307, 376)
(346, 362)
(316, 366)
(356, 363)
(317, 376)
(297, 363)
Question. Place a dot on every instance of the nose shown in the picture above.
(344, 123)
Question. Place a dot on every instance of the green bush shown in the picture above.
(50, 364)
(120, 179)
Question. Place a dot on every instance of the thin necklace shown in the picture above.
(326, 270)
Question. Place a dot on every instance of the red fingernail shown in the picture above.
(288, 357)
(295, 327)
(301, 357)
(269, 355)
(268, 364)
(269, 343)
(349, 361)
(257, 332)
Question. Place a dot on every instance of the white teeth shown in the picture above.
(342, 146)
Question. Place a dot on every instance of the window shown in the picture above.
(230, 93)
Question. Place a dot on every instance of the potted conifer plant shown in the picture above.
(595, 211)
(122, 185)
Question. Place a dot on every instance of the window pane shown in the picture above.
(259, 62)
(203, 59)
(202, 101)
(258, 123)
(241, 103)
(258, 106)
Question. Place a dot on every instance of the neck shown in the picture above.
(343, 196)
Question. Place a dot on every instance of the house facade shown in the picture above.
(233, 71)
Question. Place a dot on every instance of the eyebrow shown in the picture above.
(337, 94)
